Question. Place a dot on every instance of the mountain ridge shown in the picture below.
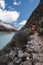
(6, 27)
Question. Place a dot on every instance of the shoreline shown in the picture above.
(7, 32)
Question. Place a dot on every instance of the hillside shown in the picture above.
(32, 54)
(25, 49)
(36, 17)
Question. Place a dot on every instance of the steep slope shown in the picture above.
(7, 27)
(32, 54)
(36, 17)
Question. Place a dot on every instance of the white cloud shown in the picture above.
(2, 4)
(23, 22)
(9, 16)
(17, 3)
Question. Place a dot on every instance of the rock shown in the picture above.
(38, 63)
(29, 50)
(12, 54)
(27, 63)
(35, 55)
(10, 63)
(25, 54)
(31, 44)
(40, 57)
(17, 61)
(27, 46)
(20, 51)
(32, 37)
(21, 63)
(20, 55)
(28, 59)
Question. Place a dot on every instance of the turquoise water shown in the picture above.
(4, 39)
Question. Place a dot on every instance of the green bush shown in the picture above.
(41, 24)
(40, 31)
(29, 31)
(20, 38)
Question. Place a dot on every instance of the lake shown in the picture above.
(4, 39)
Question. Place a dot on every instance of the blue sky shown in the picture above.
(17, 12)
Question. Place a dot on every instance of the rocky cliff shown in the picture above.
(36, 17)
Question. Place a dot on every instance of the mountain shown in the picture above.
(36, 17)
(25, 49)
(7, 27)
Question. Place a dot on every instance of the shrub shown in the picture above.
(41, 24)
(29, 31)
(21, 38)
(40, 31)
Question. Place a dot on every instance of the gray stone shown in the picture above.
(29, 50)
(20, 55)
(27, 63)
(35, 56)
(11, 63)
(39, 63)
(17, 61)
(25, 54)
(20, 51)
(12, 54)
(28, 59)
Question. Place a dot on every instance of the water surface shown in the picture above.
(4, 39)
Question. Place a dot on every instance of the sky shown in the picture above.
(17, 12)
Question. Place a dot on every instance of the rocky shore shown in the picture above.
(32, 54)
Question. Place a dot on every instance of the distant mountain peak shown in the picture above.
(6, 27)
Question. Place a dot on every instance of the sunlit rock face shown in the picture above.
(36, 17)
